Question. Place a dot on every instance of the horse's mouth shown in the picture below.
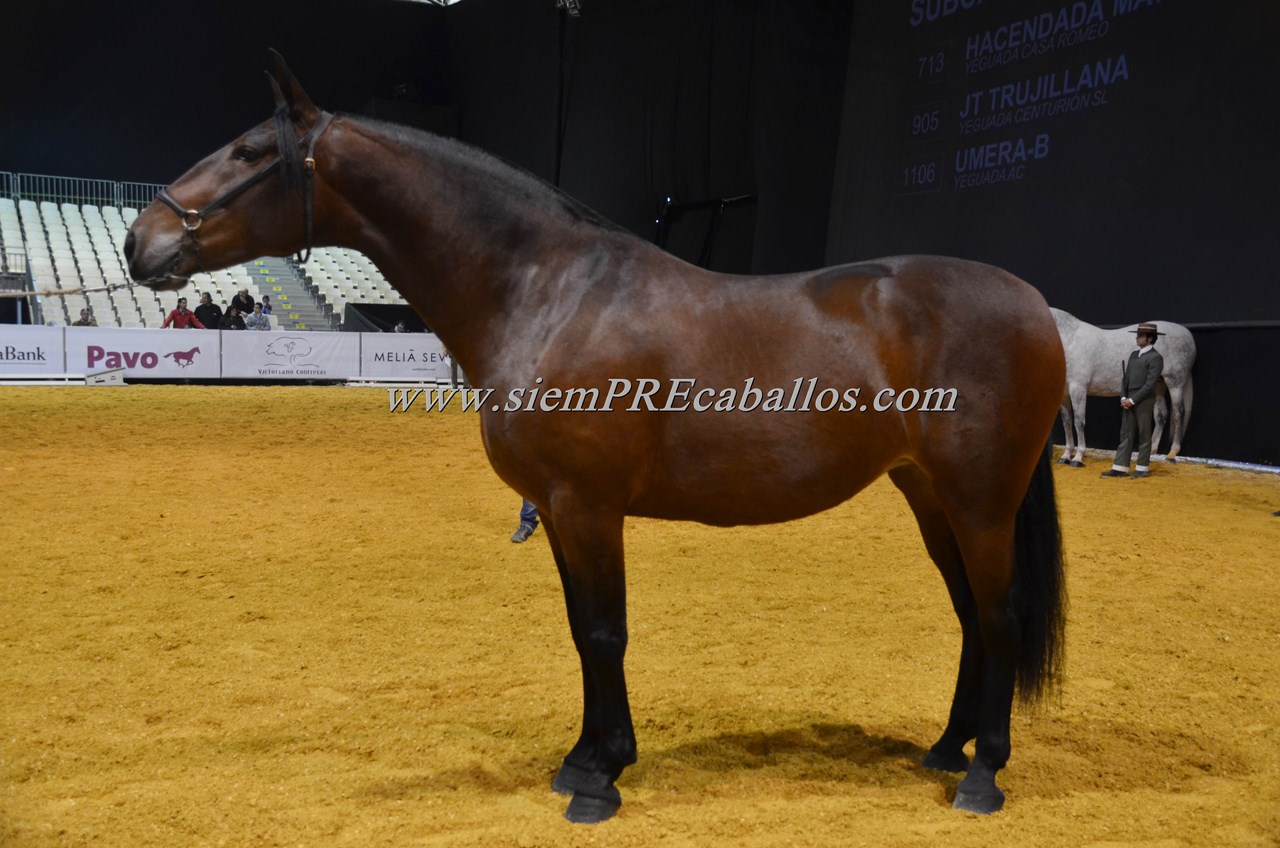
(160, 262)
(169, 282)
(169, 279)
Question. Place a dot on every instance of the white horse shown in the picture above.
(1095, 366)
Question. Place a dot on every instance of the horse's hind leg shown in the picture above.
(1079, 400)
(1179, 411)
(947, 754)
(1065, 412)
(976, 556)
(1160, 417)
(588, 554)
(989, 554)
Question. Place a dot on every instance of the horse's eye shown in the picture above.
(245, 154)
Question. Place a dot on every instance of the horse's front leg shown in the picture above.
(588, 552)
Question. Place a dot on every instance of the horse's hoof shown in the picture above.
(1062, 461)
(956, 762)
(1075, 463)
(984, 803)
(571, 779)
(1172, 460)
(589, 809)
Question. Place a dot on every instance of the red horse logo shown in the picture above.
(184, 357)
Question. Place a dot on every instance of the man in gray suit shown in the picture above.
(1138, 404)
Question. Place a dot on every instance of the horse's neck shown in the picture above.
(454, 239)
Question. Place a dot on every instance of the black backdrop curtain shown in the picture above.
(688, 99)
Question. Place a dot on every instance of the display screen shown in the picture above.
(1120, 155)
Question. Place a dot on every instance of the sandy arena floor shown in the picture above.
(285, 616)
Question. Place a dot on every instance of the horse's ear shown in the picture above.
(288, 92)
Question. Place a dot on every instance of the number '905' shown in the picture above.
(925, 123)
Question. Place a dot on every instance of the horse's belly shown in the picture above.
(727, 489)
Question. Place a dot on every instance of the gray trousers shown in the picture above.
(1136, 424)
(455, 372)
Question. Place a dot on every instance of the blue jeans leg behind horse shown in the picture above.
(528, 513)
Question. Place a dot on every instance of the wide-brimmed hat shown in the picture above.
(1149, 329)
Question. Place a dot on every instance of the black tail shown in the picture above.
(1039, 586)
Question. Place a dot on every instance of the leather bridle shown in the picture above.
(193, 218)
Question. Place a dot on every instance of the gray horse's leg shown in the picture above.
(1079, 398)
(1180, 404)
(1160, 417)
(1175, 423)
(1065, 412)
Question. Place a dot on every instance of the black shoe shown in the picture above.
(1111, 472)
(523, 532)
(1138, 475)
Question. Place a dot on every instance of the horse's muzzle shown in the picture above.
(152, 267)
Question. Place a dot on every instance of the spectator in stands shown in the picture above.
(182, 318)
(243, 301)
(528, 521)
(232, 320)
(256, 320)
(400, 327)
(86, 319)
(209, 313)
(266, 304)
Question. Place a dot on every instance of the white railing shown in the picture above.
(38, 187)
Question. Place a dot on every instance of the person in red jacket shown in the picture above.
(182, 318)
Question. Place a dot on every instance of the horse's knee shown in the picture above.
(606, 644)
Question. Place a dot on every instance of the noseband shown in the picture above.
(193, 218)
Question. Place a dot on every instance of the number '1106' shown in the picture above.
(923, 174)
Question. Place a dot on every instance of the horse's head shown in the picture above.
(251, 198)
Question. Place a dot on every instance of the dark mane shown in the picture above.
(287, 147)
(496, 168)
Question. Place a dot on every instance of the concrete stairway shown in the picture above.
(292, 305)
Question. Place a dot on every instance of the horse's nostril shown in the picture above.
(129, 244)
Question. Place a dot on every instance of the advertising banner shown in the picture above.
(286, 355)
(157, 354)
(403, 356)
(25, 349)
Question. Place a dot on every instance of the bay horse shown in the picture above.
(1095, 360)
(532, 291)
